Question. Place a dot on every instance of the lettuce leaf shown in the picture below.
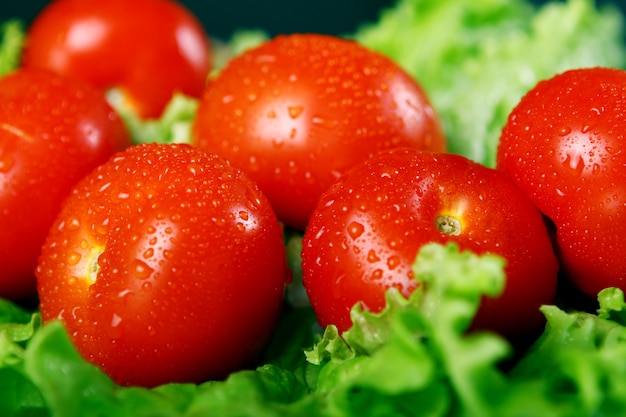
(476, 59)
(12, 38)
(415, 358)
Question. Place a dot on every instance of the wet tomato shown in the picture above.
(298, 111)
(143, 50)
(166, 264)
(53, 131)
(366, 231)
(564, 145)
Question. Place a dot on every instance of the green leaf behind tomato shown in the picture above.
(476, 59)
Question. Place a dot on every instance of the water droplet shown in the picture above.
(377, 274)
(148, 253)
(194, 169)
(73, 224)
(564, 131)
(6, 163)
(140, 269)
(393, 262)
(574, 162)
(355, 230)
(253, 164)
(372, 257)
(102, 227)
(115, 320)
(295, 111)
(74, 258)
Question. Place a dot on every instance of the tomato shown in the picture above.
(146, 50)
(298, 111)
(564, 145)
(53, 131)
(166, 264)
(366, 231)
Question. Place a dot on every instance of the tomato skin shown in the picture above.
(148, 49)
(368, 227)
(299, 110)
(166, 265)
(53, 131)
(564, 146)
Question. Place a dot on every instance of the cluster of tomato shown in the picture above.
(167, 262)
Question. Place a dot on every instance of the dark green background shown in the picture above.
(223, 17)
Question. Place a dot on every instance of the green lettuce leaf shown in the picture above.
(12, 38)
(476, 59)
(578, 364)
(174, 125)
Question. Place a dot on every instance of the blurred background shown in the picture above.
(222, 18)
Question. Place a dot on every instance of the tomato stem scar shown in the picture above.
(93, 266)
(448, 225)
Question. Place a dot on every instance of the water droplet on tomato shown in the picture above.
(393, 262)
(574, 162)
(564, 131)
(115, 320)
(6, 163)
(355, 230)
(253, 163)
(140, 269)
(377, 274)
(148, 253)
(72, 224)
(295, 111)
(102, 227)
(74, 258)
(372, 257)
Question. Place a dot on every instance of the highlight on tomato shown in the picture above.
(299, 110)
(141, 52)
(563, 144)
(166, 264)
(53, 131)
(368, 227)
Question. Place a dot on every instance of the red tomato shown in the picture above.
(564, 145)
(368, 227)
(146, 49)
(166, 265)
(53, 131)
(298, 111)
